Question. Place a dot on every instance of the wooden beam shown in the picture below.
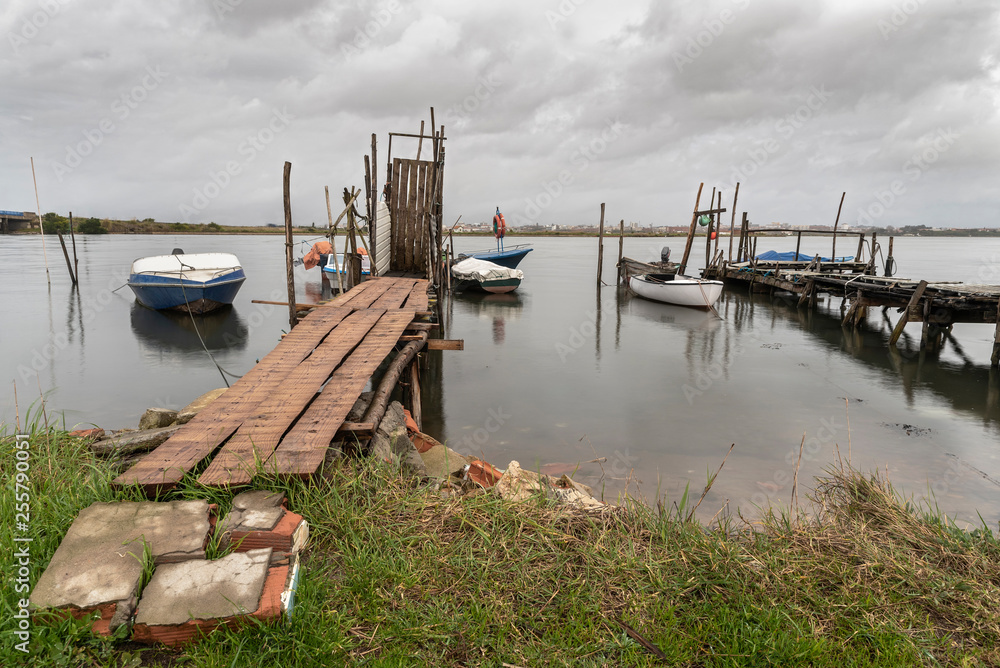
(600, 246)
(898, 329)
(359, 429)
(445, 344)
(289, 271)
(690, 237)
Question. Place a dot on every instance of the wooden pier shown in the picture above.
(938, 305)
(283, 414)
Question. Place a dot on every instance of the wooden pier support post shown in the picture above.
(914, 299)
(289, 267)
(798, 244)
(889, 268)
(690, 237)
(600, 247)
(995, 358)
(621, 242)
(732, 221)
(744, 224)
(415, 410)
(806, 293)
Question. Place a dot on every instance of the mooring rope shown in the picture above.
(218, 366)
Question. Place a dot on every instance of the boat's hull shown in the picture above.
(509, 259)
(492, 286)
(172, 292)
(681, 291)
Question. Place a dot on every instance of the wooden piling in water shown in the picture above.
(69, 266)
(995, 358)
(690, 237)
(76, 260)
(732, 221)
(289, 267)
(600, 247)
(621, 242)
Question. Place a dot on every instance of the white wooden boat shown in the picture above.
(676, 289)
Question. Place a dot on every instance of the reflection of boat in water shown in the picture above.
(677, 316)
(174, 331)
(494, 304)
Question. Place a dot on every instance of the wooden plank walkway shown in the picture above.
(282, 415)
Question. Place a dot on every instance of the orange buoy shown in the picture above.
(499, 225)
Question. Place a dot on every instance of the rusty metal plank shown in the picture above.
(166, 465)
(257, 437)
(303, 449)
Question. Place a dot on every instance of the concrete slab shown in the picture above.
(99, 563)
(200, 589)
(258, 520)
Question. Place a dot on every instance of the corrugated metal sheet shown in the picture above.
(383, 239)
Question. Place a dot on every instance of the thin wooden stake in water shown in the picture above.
(76, 261)
(41, 225)
(600, 247)
(289, 268)
(732, 221)
(621, 241)
(62, 242)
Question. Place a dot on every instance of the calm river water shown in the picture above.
(561, 372)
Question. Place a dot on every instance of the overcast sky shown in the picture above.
(187, 110)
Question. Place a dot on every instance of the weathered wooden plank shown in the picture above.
(350, 295)
(411, 219)
(398, 214)
(377, 289)
(302, 450)
(445, 344)
(420, 228)
(394, 297)
(257, 437)
(164, 467)
(418, 299)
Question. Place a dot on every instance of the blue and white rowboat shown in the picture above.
(195, 282)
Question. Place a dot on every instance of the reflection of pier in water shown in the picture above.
(967, 387)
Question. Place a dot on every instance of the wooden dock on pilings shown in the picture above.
(283, 414)
(937, 305)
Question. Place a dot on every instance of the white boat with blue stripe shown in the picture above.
(194, 282)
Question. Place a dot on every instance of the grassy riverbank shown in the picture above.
(395, 575)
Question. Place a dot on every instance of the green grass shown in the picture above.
(396, 575)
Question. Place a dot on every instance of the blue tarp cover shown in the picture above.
(775, 256)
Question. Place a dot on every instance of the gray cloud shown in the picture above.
(799, 101)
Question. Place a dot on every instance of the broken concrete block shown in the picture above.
(185, 414)
(185, 600)
(258, 520)
(441, 461)
(517, 484)
(127, 442)
(392, 443)
(155, 418)
(99, 563)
